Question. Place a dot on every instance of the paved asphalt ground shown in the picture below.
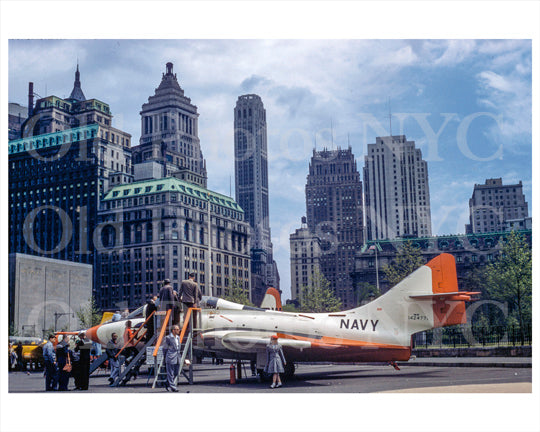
(443, 375)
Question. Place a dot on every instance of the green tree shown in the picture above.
(89, 314)
(407, 260)
(238, 294)
(364, 290)
(289, 308)
(13, 330)
(509, 279)
(320, 298)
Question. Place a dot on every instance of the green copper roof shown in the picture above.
(170, 184)
(53, 139)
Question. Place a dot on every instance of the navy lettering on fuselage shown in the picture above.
(358, 324)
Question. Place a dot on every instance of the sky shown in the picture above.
(465, 102)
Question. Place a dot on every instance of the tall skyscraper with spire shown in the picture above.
(396, 189)
(251, 187)
(170, 132)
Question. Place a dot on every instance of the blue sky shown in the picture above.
(480, 90)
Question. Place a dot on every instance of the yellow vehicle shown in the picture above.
(32, 351)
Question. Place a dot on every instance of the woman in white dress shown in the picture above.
(275, 361)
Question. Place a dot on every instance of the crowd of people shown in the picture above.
(69, 358)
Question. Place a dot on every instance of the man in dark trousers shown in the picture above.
(112, 349)
(150, 307)
(51, 368)
(190, 294)
(81, 369)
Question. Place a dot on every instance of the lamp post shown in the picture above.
(377, 267)
(60, 314)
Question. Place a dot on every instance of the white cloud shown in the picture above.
(489, 79)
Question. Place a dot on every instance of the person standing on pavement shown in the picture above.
(275, 361)
(63, 358)
(190, 295)
(82, 373)
(20, 361)
(150, 307)
(51, 369)
(112, 349)
(172, 353)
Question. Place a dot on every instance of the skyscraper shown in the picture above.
(396, 190)
(493, 205)
(251, 186)
(170, 132)
(305, 260)
(334, 214)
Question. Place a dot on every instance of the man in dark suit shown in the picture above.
(172, 353)
(150, 307)
(167, 298)
(81, 367)
(190, 294)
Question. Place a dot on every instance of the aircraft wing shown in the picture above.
(249, 341)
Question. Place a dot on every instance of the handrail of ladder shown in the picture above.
(186, 321)
(162, 333)
(133, 336)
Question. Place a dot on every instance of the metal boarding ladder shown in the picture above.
(98, 362)
(187, 352)
(136, 362)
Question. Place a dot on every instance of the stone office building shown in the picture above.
(305, 250)
(494, 207)
(158, 228)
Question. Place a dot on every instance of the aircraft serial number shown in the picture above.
(418, 317)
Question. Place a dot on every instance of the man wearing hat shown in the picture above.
(167, 297)
(190, 294)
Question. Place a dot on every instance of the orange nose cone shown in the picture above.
(91, 333)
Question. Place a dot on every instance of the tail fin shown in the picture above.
(271, 300)
(427, 298)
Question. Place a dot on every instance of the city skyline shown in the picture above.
(441, 84)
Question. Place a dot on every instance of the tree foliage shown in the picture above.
(365, 290)
(319, 298)
(13, 330)
(509, 279)
(289, 308)
(89, 314)
(238, 294)
(407, 260)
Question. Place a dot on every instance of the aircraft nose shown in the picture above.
(91, 333)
